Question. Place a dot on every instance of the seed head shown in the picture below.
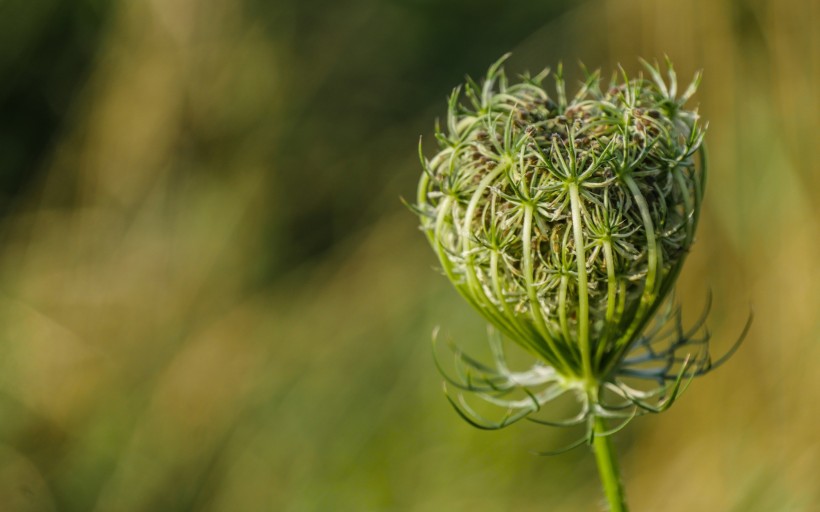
(565, 223)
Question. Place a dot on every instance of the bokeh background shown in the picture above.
(212, 299)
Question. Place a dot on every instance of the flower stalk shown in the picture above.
(608, 468)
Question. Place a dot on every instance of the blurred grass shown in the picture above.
(212, 298)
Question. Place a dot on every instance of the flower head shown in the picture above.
(565, 223)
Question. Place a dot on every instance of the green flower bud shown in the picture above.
(565, 223)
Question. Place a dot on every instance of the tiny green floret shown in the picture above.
(565, 223)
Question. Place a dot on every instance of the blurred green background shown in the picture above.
(211, 298)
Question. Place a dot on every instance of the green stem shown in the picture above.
(529, 278)
(608, 468)
(583, 298)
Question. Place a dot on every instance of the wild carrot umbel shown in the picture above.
(565, 222)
